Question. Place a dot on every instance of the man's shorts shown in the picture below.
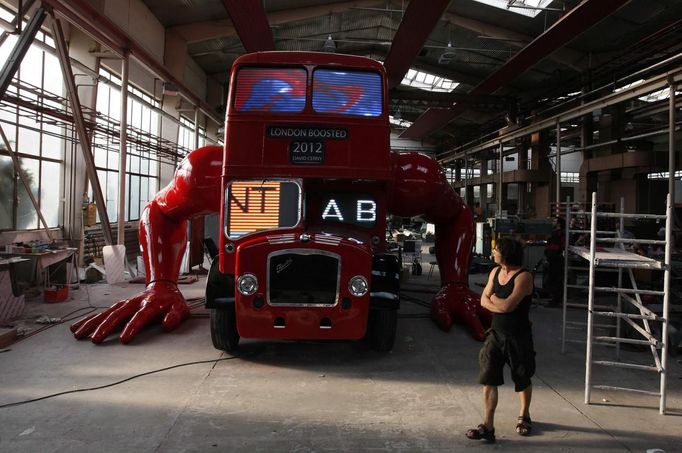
(516, 351)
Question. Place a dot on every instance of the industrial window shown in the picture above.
(270, 90)
(347, 92)
(186, 135)
(37, 137)
(142, 166)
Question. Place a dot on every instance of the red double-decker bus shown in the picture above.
(306, 174)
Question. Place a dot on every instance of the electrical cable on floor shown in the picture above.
(51, 325)
(20, 403)
(581, 412)
(415, 300)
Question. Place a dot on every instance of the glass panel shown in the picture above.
(9, 129)
(134, 163)
(261, 205)
(347, 92)
(54, 82)
(136, 120)
(112, 162)
(152, 188)
(154, 125)
(103, 98)
(100, 153)
(53, 145)
(144, 165)
(50, 196)
(144, 192)
(115, 104)
(146, 119)
(6, 191)
(29, 141)
(31, 70)
(111, 188)
(27, 218)
(134, 197)
(270, 90)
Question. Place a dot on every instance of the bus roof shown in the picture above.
(311, 58)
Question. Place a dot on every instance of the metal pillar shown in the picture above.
(196, 127)
(671, 142)
(669, 211)
(558, 168)
(500, 170)
(24, 180)
(20, 48)
(62, 53)
(590, 300)
(123, 153)
(468, 201)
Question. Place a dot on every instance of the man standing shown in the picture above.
(555, 260)
(509, 340)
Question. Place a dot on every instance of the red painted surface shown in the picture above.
(582, 17)
(359, 164)
(251, 23)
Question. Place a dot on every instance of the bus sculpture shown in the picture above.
(303, 186)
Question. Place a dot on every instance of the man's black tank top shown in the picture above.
(516, 321)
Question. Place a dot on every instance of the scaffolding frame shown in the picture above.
(617, 259)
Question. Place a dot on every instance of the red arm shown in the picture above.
(195, 190)
(420, 188)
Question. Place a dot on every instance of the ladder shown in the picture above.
(618, 259)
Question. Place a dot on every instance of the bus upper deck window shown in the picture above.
(354, 93)
(270, 90)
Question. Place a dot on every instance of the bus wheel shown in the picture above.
(382, 329)
(224, 329)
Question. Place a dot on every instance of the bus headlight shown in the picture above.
(358, 286)
(247, 284)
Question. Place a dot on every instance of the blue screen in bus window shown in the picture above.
(270, 90)
(347, 92)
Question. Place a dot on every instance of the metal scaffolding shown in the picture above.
(616, 258)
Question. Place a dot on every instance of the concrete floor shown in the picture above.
(309, 397)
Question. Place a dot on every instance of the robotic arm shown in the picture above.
(195, 190)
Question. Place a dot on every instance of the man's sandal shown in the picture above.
(481, 433)
(524, 426)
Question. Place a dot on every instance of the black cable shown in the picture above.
(414, 315)
(51, 325)
(415, 300)
(20, 403)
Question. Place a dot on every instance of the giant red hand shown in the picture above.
(456, 302)
(160, 300)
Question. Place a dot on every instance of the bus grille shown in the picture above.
(303, 278)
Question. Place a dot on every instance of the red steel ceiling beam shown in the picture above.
(418, 22)
(251, 23)
(575, 22)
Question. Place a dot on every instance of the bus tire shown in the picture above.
(382, 329)
(224, 329)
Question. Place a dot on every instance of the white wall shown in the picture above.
(137, 20)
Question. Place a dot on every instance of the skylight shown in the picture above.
(530, 8)
(399, 122)
(428, 82)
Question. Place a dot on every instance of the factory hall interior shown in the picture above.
(340, 225)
